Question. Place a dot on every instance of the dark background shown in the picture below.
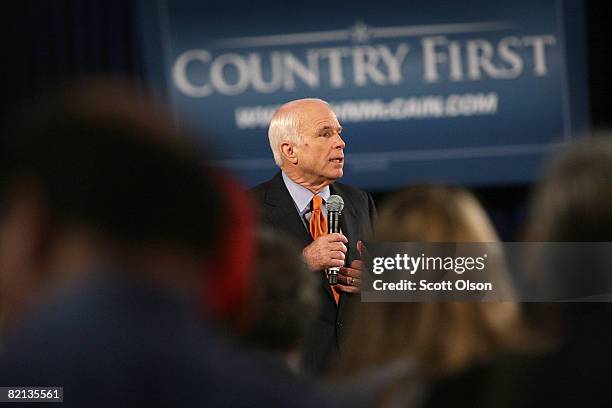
(49, 42)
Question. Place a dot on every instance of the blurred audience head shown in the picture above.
(283, 299)
(573, 201)
(440, 337)
(434, 213)
(95, 174)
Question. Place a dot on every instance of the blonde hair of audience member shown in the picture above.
(439, 337)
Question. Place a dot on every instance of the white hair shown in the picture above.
(285, 125)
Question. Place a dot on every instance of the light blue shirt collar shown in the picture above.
(302, 196)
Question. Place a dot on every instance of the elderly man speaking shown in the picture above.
(305, 137)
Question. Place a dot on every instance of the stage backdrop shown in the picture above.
(471, 92)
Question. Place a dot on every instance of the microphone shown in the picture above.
(334, 205)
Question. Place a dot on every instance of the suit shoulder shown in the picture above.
(359, 198)
(353, 192)
(259, 191)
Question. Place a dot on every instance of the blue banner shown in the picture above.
(472, 93)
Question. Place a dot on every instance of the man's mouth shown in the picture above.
(337, 160)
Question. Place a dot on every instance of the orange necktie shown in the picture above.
(318, 228)
(318, 223)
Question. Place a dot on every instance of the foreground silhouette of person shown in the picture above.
(107, 217)
(572, 203)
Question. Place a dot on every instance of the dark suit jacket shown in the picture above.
(323, 342)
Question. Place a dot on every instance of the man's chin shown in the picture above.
(335, 175)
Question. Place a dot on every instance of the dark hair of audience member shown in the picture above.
(113, 216)
(573, 200)
(572, 203)
(79, 154)
(98, 158)
(282, 301)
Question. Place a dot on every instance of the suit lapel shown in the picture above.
(280, 211)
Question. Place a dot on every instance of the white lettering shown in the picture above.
(431, 57)
(365, 61)
(507, 54)
(539, 44)
(198, 73)
(307, 73)
(335, 55)
(275, 82)
(480, 53)
(217, 74)
(179, 73)
(394, 61)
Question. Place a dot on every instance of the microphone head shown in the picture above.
(334, 203)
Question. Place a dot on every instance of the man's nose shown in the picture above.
(339, 144)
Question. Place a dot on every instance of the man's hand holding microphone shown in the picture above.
(329, 251)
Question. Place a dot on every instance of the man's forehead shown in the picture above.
(317, 114)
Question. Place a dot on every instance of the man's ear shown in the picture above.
(288, 151)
